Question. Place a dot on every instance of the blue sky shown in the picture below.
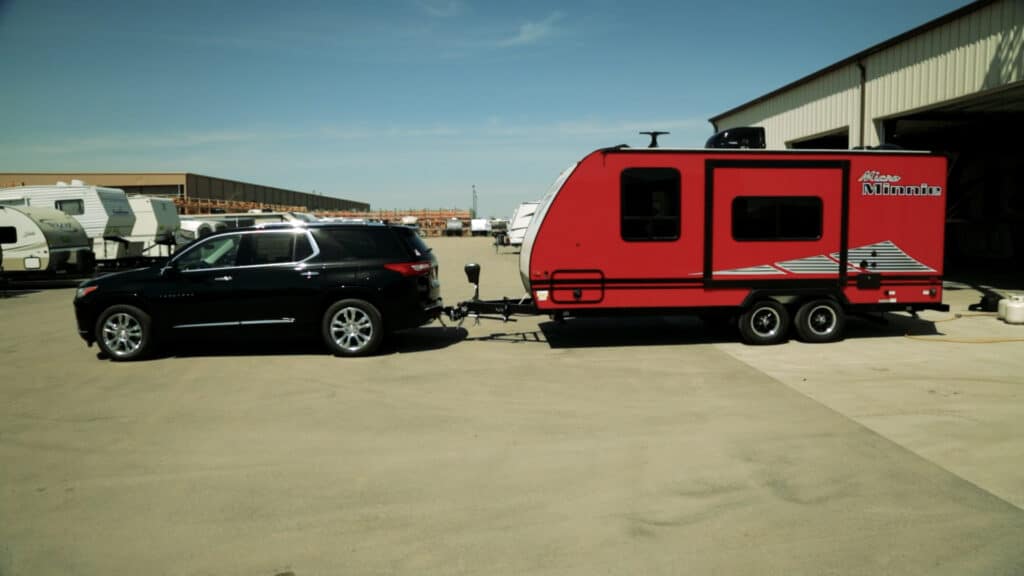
(402, 103)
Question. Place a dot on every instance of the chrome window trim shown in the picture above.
(298, 265)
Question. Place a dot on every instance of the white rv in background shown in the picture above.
(479, 227)
(190, 229)
(156, 224)
(104, 213)
(43, 240)
(520, 222)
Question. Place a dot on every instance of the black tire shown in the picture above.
(766, 322)
(352, 327)
(124, 333)
(820, 321)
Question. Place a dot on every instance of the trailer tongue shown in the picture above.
(502, 309)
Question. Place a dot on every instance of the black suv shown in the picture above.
(352, 282)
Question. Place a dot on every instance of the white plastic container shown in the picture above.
(1014, 310)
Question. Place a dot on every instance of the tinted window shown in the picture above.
(214, 253)
(413, 242)
(267, 248)
(70, 207)
(341, 244)
(303, 249)
(650, 204)
(776, 218)
(8, 234)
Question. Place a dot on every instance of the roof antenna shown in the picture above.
(654, 138)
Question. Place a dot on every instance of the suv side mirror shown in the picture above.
(170, 269)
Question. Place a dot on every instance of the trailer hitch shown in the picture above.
(479, 309)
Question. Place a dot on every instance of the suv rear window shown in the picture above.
(413, 241)
(341, 244)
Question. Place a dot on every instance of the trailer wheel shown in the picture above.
(820, 321)
(766, 322)
(353, 328)
(124, 333)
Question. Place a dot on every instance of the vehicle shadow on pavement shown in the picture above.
(19, 293)
(665, 331)
(422, 339)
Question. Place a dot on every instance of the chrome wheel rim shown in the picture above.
(351, 329)
(765, 322)
(122, 334)
(821, 320)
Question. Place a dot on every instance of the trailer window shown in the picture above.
(8, 234)
(776, 218)
(70, 207)
(649, 201)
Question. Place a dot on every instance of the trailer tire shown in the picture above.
(765, 322)
(353, 327)
(820, 321)
(124, 333)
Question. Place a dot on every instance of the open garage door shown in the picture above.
(983, 137)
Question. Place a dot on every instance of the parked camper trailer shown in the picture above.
(453, 227)
(520, 222)
(190, 229)
(104, 213)
(480, 227)
(156, 224)
(43, 240)
(775, 238)
(8, 235)
(246, 219)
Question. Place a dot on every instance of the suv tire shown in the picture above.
(124, 333)
(353, 327)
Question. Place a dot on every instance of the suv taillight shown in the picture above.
(411, 268)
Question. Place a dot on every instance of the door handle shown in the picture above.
(309, 274)
(222, 279)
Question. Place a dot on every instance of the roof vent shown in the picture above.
(743, 137)
(654, 138)
(77, 183)
(61, 183)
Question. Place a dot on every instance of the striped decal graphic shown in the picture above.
(884, 257)
(765, 270)
(814, 265)
(880, 257)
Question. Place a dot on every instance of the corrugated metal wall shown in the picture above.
(205, 187)
(823, 105)
(981, 51)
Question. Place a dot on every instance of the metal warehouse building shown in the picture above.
(191, 187)
(954, 85)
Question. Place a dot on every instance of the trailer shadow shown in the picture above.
(671, 331)
(424, 339)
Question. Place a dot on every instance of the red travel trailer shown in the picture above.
(775, 238)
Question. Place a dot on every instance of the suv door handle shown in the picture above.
(222, 279)
(309, 273)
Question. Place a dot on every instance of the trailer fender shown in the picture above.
(793, 297)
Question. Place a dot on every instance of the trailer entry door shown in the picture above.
(775, 221)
